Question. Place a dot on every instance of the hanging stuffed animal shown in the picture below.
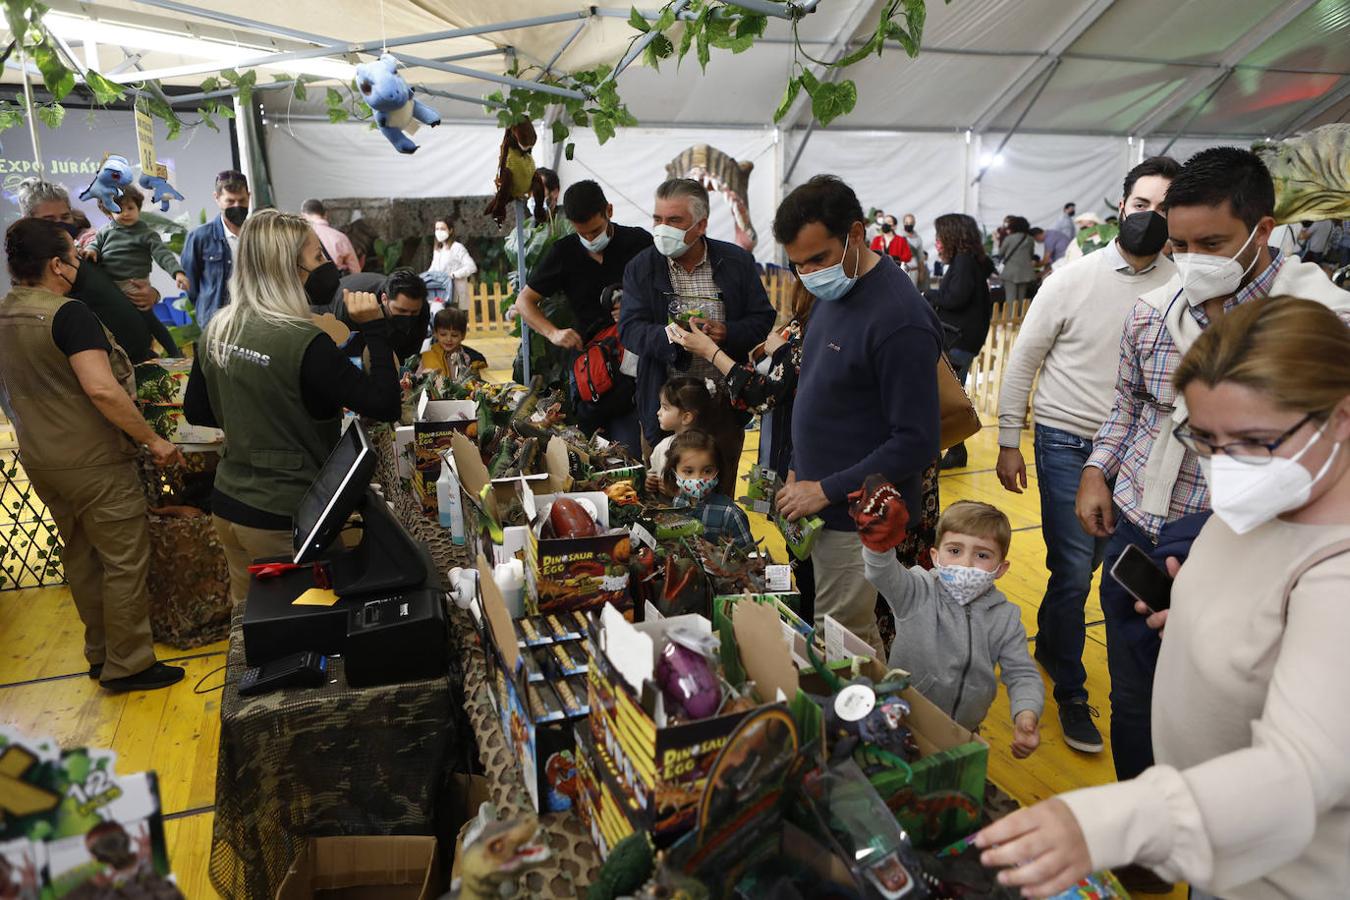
(391, 99)
(162, 191)
(516, 175)
(114, 175)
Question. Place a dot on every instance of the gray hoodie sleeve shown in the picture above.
(901, 587)
(1026, 690)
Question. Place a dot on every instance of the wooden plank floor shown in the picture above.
(44, 690)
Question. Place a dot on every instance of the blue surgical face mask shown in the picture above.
(830, 283)
(599, 244)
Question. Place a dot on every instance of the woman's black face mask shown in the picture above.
(322, 284)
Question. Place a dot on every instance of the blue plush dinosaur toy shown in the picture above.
(113, 175)
(163, 192)
(391, 99)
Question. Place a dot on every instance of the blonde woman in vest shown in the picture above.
(1250, 793)
(69, 386)
(277, 384)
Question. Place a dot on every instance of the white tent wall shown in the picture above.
(318, 159)
(1039, 173)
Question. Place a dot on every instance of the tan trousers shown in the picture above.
(242, 546)
(100, 514)
(842, 588)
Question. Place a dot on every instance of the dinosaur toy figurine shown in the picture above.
(516, 175)
(391, 100)
(114, 175)
(495, 853)
(1311, 172)
(629, 864)
(161, 191)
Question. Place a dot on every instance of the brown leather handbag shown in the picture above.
(958, 416)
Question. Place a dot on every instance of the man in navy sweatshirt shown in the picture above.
(867, 398)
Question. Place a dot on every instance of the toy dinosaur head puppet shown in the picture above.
(391, 100)
(114, 174)
(516, 174)
(495, 852)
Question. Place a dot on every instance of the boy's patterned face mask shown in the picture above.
(964, 583)
(695, 489)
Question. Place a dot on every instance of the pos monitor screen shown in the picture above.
(334, 495)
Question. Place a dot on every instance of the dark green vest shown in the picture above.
(273, 447)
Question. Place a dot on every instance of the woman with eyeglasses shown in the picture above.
(1250, 793)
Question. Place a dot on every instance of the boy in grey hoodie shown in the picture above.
(952, 625)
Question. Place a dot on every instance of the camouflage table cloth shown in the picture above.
(574, 861)
(322, 761)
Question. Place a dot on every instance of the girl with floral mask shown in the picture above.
(1254, 643)
(691, 477)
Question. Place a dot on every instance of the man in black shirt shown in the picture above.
(580, 266)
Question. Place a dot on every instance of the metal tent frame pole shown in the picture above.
(1327, 103)
(1050, 60)
(31, 114)
(330, 47)
(521, 275)
(838, 48)
(641, 44)
(1196, 84)
(1046, 77)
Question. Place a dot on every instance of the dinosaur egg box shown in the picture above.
(436, 421)
(520, 491)
(563, 574)
(654, 768)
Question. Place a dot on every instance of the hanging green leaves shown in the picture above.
(51, 115)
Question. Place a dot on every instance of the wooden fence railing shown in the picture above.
(986, 373)
(485, 302)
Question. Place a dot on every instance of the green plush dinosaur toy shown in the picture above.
(627, 868)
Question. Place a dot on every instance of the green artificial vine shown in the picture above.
(698, 26)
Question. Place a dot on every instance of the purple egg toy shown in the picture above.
(688, 682)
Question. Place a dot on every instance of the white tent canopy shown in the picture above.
(1086, 87)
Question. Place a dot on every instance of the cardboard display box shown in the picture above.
(504, 493)
(169, 423)
(436, 421)
(541, 738)
(393, 867)
(661, 766)
(565, 574)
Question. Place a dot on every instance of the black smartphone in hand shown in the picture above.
(1142, 579)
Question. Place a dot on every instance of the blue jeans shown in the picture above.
(1071, 555)
(961, 360)
(1131, 657)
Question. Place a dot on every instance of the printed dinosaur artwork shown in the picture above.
(720, 174)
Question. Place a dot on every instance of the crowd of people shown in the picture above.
(1191, 394)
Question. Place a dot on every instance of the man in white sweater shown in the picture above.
(1071, 334)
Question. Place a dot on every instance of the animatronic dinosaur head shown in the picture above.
(381, 86)
(495, 851)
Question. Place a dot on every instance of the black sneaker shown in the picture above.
(1075, 720)
(955, 458)
(157, 676)
(95, 670)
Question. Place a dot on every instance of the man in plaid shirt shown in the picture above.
(1138, 479)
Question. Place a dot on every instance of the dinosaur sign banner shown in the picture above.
(145, 145)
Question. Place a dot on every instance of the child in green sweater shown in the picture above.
(125, 249)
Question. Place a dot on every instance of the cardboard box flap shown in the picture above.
(630, 652)
(764, 655)
(499, 619)
(473, 472)
(438, 411)
(384, 866)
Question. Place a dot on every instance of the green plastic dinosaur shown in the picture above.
(629, 865)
